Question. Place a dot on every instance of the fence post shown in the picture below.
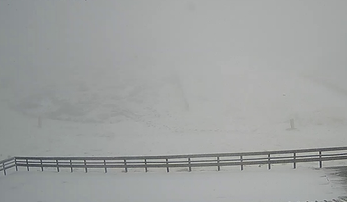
(71, 169)
(27, 164)
(146, 169)
(292, 124)
(15, 163)
(167, 165)
(241, 161)
(320, 159)
(218, 163)
(105, 166)
(85, 165)
(125, 166)
(57, 165)
(41, 165)
(294, 157)
(269, 163)
(190, 166)
(3, 167)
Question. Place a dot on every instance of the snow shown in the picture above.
(153, 127)
(321, 123)
(254, 185)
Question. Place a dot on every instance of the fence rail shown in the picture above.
(217, 160)
(7, 164)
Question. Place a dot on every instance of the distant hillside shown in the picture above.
(186, 98)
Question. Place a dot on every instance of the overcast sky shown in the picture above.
(42, 38)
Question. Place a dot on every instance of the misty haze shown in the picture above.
(152, 77)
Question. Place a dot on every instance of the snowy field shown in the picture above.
(257, 185)
(252, 121)
(69, 138)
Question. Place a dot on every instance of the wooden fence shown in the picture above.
(7, 164)
(217, 160)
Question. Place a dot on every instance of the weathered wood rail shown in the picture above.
(188, 161)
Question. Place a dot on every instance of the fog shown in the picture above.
(209, 61)
(113, 78)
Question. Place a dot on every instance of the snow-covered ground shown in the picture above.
(149, 122)
(268, 186)
(320, 122)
